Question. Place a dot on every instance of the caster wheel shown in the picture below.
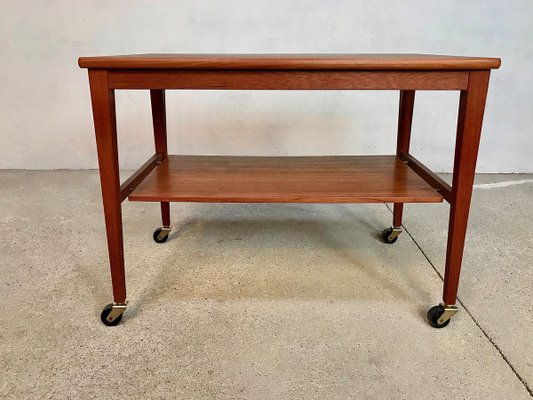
(105, 312)
(161, 235)
(386, 236)
(434, 314)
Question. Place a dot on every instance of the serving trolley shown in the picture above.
(399, 178)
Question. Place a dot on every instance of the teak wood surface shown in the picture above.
(325, 179)
(287, 80)
(399, 178)
(322, 62)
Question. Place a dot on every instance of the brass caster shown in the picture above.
(439, 316)
(390, 235)
(112, 314)
(161, 234)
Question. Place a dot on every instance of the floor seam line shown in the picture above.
(491, 341)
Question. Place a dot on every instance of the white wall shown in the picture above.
(45, 115)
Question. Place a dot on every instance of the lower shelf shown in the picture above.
(324, 179)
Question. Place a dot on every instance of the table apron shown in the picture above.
(287, 80)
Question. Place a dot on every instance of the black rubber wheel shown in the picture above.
(105, 312)
(385, 236)
(434, 314)
(156, 236)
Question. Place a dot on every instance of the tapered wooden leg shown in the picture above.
(157, 97)
(471, 109)
(405, 119)
(103, 103)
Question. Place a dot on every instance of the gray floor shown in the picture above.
(260, 301)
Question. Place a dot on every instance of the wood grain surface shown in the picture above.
(325, 179)
(290, 62)
(287, 80)
(469, 123)
(403, 142)
(105, 128)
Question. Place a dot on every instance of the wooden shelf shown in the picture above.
(325, 179)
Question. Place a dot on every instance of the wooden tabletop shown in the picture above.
(290, 62)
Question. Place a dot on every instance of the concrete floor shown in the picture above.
(260, 301)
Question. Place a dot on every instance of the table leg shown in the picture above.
(103, 104)
(405, 119)
(471, 109)
(157, 97)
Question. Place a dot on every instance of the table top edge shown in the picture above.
(320, 61)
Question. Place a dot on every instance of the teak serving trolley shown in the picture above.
(397, 179)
